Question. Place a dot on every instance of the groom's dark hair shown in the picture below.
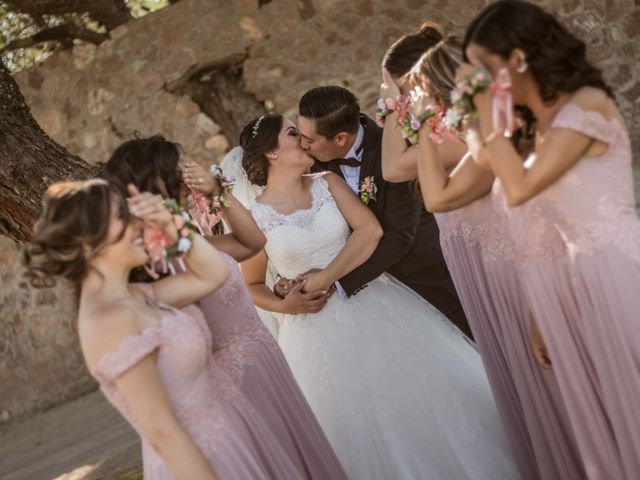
(335, 109)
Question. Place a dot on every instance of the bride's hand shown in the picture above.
(297, 302)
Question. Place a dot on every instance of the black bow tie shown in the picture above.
(349, 162)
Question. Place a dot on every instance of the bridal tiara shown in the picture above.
(256, 126)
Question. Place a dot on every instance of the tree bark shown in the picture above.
(64, 34)
(29, 162)
(109, 13)
(221, 95)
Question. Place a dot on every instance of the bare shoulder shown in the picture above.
(333, 180)
(103, 328)
(592, 99)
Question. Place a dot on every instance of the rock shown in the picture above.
(98, 99)
(49, 121)
(83, 55)
(206, 126)
(218, 143)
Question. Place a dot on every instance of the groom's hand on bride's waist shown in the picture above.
(298, 302)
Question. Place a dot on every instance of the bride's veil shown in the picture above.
(243, 190)
(246, 192)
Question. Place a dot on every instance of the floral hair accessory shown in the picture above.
(256, 126)
(163, 249)
(368, 190)
(462, 107)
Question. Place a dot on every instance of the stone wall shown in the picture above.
(92, 98)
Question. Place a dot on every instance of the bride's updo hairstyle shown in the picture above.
(71, 229)
(556, 58)
(406, 51)
(257, 138)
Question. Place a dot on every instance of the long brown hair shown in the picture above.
(556, 58)
(71, 229)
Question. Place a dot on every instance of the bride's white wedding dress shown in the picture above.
(398, 390)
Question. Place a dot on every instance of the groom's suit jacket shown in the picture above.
(410, 247)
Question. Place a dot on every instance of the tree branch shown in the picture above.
(109, 13)
(62, 33)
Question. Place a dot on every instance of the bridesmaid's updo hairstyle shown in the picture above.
(142, 162)
(72, 227)
(556, 58)
(406, 51)
(436, 69)
(258, 138)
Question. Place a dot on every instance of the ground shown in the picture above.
(82, 440)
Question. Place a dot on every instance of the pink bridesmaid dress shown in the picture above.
(544, 408)
(248, 353)
(460, 240)
(228, 430)
(592, 206)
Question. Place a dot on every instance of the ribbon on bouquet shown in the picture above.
(200, 210)
(156, 242)
(502, 104)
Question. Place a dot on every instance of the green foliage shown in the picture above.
(139, 8)
(19, 26)
(132, 476)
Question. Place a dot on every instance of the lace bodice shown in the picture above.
(593, 204)
(236, 329)
(305, 239)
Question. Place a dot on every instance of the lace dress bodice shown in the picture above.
(593, 204)
(305, 239)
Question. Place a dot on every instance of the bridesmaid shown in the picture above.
(152, 361)
(480, 257)
(578, 183)
(242, 344)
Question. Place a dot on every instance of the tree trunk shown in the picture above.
(29, 162)
(221, 95)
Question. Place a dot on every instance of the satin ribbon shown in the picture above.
(200, 211)
(156, 242)
(502, 104)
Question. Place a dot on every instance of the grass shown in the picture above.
(132, 476)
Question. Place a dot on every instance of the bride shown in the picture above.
(398, 390)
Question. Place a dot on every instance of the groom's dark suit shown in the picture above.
(410, 247)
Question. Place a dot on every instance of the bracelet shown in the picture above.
(226, 184)
(162, 248)
(386, 106)
(462, 107)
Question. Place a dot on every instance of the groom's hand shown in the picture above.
(297, 302)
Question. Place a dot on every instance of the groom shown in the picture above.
(344, 141)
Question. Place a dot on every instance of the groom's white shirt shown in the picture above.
(352, 174)
(352, 177)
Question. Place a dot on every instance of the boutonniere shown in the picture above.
(368, 190)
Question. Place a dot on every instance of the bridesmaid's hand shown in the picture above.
(150, 209)
(539, 348)
(198, 179)
(388, 88)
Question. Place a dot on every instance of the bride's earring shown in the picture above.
(523, 66)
